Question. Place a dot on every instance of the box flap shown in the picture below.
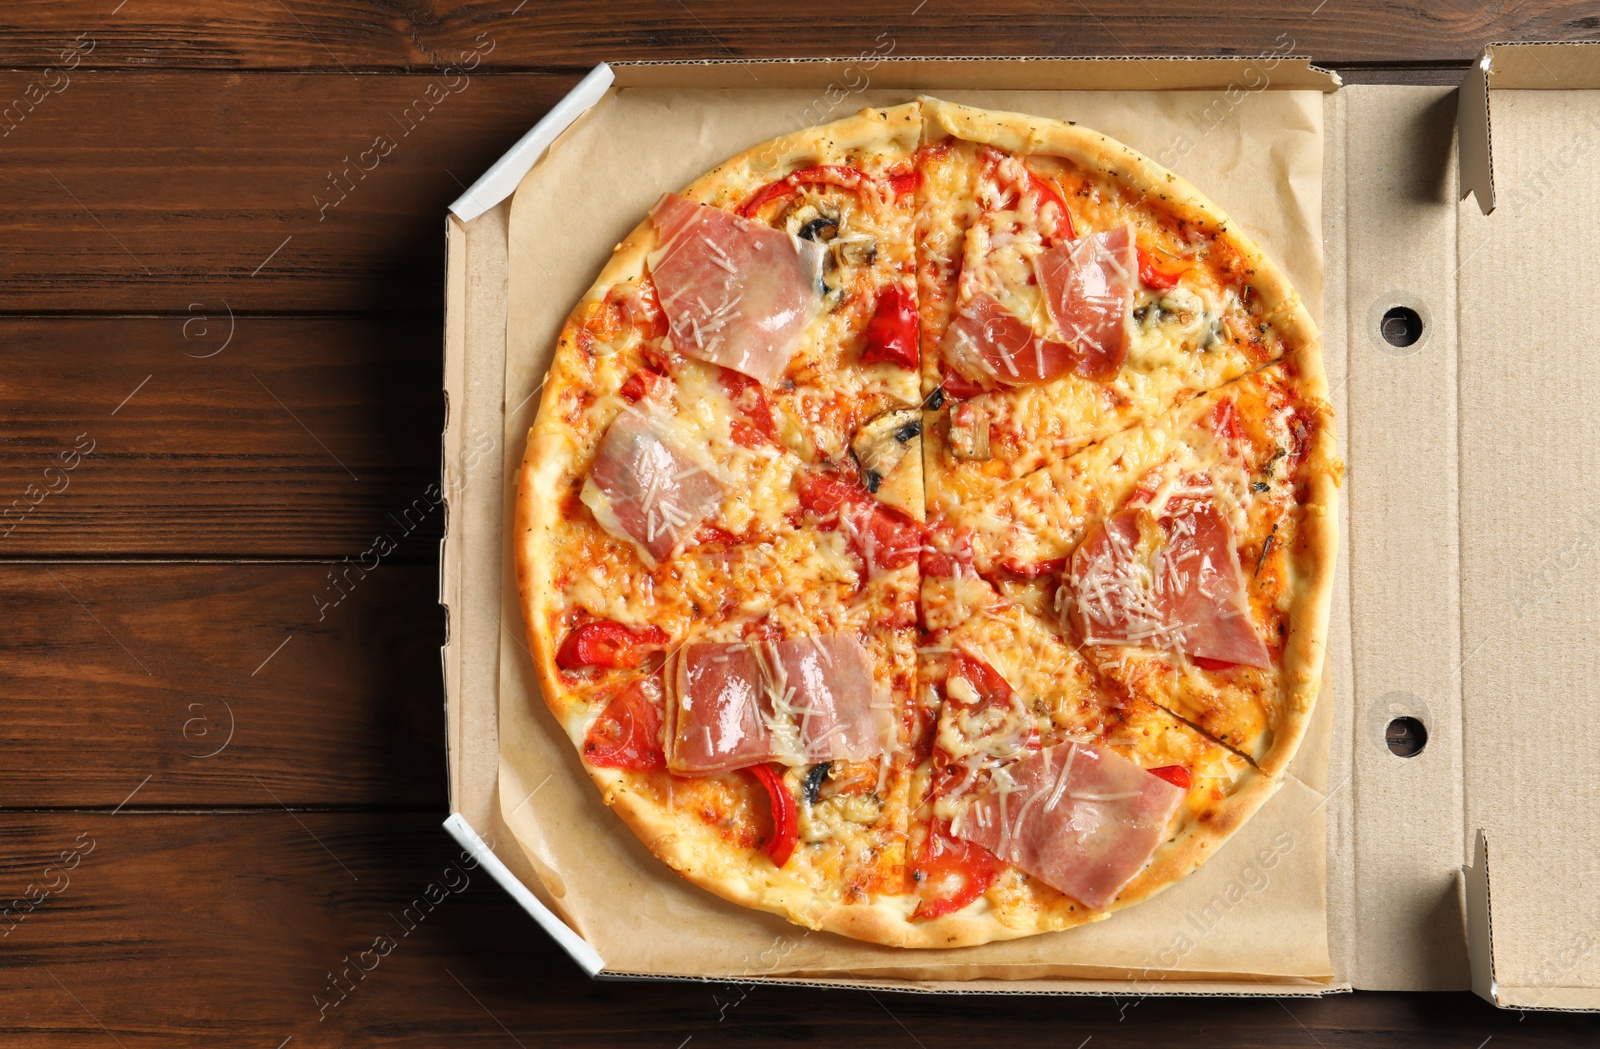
(1474, 154)
(469, 557)
(1532, 65)
(1529, 443)
(587, 957)
(1548, 992)
(1480, 945)
(499, 181)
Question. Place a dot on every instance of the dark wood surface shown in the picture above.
(217, 391)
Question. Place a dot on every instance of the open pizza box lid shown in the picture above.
(1469, 580)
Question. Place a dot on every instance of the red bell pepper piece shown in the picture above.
(1047, 189)
(823, 175)
(892, 332)
(959, 387)
(785, 819)
(603, 643)
(750, 397)
(627, 734)
(882, 537)
(951, 873)
(1176, 775)
(771, 191)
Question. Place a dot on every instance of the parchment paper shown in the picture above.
(1257, 909)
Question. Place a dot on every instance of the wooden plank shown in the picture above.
(222, 684)
(214, 434)
(166, 929)
(247, 190)
(370, 35)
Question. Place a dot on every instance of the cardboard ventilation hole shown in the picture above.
(1469, 577)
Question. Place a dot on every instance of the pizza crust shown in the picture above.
(1020, 133)
(553, 456)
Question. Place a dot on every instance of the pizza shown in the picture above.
(927, 531)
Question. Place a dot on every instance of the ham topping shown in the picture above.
(796, 702)
(1088, 287)
(1170, 582)
(988, 343)
(648, 484)
(1079, 817)
(735, 292)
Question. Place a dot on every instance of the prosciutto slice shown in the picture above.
(827, 686)
(796, 702)
(989, 343)
(716, 719)
(735, 292)
(1172, 582)
(648, 485)
(1088, 287)
(1079, 817)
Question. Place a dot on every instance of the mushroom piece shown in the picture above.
(968, 432)
(1177, 314)
(881, 443)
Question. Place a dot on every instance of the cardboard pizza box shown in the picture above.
(1455, 335)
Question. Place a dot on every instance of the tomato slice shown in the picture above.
(880, 535)
(992, 689)
(1224, 421)
(603, 643)
(640, 383)
(951, 873)
(710, 533)
(1176, 775)
(939, 564)
(627, 734)
(1159, 270)
(1023, 570)
(892, 332)
(785, 818)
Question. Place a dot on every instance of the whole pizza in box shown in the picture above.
(927, 532)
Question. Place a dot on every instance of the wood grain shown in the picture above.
(224, 684)
(148, 191)
(170, 929)
(373, 35)
(183, 163)
(212, 433)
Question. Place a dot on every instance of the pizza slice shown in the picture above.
(1071, 288)
(1048, 797)
(732, 636)
(1190, 557)
(798, 275)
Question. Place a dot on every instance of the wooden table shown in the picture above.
(220, 373)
